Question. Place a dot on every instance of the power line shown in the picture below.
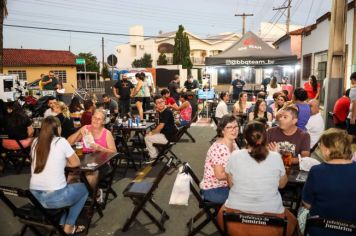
(98, 32)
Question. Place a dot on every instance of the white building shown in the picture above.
(314, 45)
(163, 43)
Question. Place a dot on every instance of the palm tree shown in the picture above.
(3, 14)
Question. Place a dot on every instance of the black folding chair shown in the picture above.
(209, 209)
(216, 122)
(16, 158)
(329, 224)
(188, 126)
(32, 214)
(254, 219)
(164, 150)
(141, 193)
(106, 182)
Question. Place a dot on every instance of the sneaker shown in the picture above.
(150, 161)
(100, 196)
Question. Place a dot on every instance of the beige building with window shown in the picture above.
(200, 48)
(29, 64)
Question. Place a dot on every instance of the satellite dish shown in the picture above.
(112, 60)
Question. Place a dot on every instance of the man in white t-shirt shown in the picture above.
(51, 103)
(221, 109)
(315, 125)
(352, 115)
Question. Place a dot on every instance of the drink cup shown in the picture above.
(79, 148)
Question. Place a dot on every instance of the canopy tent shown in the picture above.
(251, 50)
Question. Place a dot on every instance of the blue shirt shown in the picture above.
(331, 191)
(304, 115)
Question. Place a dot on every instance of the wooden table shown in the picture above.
(292, 192)
(91, 162)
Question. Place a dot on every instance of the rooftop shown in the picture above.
(37, 57)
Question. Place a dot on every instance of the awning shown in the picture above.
(251, 50)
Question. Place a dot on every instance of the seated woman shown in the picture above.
(241, 106)
(330, 189)
(66, 122)
(75, 105)
(279, 103)
(103, 141)
(214, 184)
(17, 127)
(76, 110)
(89, 108)
(260, 110)
(254, 175)
(185, 110)
(50, 155)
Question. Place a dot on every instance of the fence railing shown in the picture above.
(92, 85)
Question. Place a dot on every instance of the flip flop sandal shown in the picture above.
(78, 229)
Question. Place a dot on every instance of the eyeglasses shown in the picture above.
(232, 127)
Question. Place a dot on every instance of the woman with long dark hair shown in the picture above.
(312, 87)
(139, 93)
(254, 175)
(18, 126)
(260, 110)
(50, 155)
(272, 88)
(241, 106)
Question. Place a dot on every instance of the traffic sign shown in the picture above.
(80, 61)
(112, 60)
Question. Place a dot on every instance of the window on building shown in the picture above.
(306, 66)
(21, 73)
(62, 75)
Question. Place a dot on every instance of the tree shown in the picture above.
(3, 14)
(105, 71)
(91, 62)
(143, 62)
(162, 59)
(181, 52)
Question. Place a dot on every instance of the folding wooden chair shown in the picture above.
(209, 209)
(254, 219)
(32, 214)
(16, 158)
(141, 193)
(330, 225)
(166, 149)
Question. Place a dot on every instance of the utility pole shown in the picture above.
(243, 15)
(288, 13)
(336, 55)
(353, 68)
(102, 51)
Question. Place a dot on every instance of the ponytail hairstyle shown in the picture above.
(314, 83)
(41, 148)
(256, 137)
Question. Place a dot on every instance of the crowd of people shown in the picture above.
(249, 179)
(242, 179)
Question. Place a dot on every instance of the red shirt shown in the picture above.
(86, 118)
(341, 109)
(170, 101)
(311, 93)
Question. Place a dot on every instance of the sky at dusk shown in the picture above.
(201, 17)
